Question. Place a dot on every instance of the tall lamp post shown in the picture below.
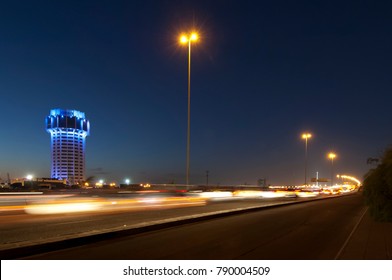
(306, 136)
(331, 156)
(187, 39)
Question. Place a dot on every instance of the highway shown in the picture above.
(312, 230)
(17, 228)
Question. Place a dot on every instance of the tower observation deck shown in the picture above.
(68, 130)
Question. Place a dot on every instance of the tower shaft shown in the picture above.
(68, 130)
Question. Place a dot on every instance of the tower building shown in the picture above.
(68, 130)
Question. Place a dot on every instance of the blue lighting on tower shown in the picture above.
(68, 130)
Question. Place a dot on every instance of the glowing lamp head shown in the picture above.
(331, 155)
(306, 135)
(183, 39)
(29, 177)
(194, 36)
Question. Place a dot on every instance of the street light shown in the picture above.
(306, 136)
(188, 39)
(331, 156)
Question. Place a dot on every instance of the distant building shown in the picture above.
(37, 183)
(68, 130)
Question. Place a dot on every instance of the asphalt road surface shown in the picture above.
(20, 229)
(313, 230)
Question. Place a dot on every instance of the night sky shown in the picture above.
(263, 72)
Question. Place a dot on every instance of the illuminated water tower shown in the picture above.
(68, 130)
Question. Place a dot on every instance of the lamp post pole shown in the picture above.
(188, 39)
(332, 156)
(189, 114)
(306, 136)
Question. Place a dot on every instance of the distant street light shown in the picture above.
(331, 156)
(188, 39)
(306, 136)
(351, 178)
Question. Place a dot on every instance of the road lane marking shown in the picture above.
(351, 234)
(73, 222)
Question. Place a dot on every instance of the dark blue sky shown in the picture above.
(262, 73)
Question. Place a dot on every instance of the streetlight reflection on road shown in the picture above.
(188, 39)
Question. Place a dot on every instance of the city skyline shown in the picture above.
(262, 75)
